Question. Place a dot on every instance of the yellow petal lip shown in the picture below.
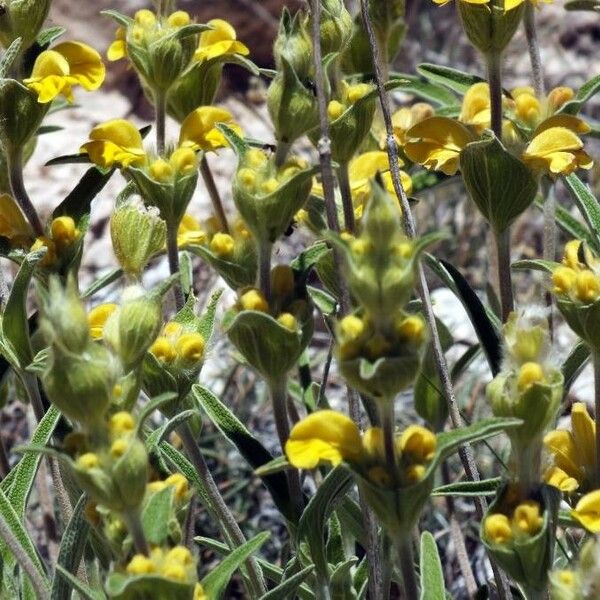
(13, 224)
(115, 142)
(199, 131)
(587, 511)
(570, 122)
(325, 435)
(220, 40)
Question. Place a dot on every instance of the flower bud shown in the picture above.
(137, 234)
(293, 44)
(335, 26)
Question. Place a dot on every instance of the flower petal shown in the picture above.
(587, 511)
(85, 64)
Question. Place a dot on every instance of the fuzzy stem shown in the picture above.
(407, 567)
(529, 460)
(173, 256)
(504, 273)
(388, 425)
(596, 359)
(465, 452)
(213, 192)
(264, 269)
(534, 49)
(134, 525)
(549, 252)
(40, 586)
(160, 106)
(225, 520)
(494, 73)
(346, 192)
(281, 153)
(15, 173)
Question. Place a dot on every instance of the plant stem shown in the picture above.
(596, 359)
(407, 567)
(280, 413)
(529, 464)
(264, 269)
(40, 585)
(160, 106)
(15, 173)
(281, 153)
(465, 452)
(213, 192)
(494, 73)
(225, 520)
(549, 251)
(504, 275)
(134, 525)
(389, 425)
(534, 49)
(346, 192)
(173, 256)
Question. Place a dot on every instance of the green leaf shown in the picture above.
(120, 18)
(448, 441)
(586, 203)
(237, 143)
(102, 282)
(576, 361)
(156, 515)
(432, 576)
(10, 56)
(572, 227)
(546, 266)
(215, 582)
(78, 202)
(341, 580)
(152, 405)
(158, 435)
(15, 524)
(483, 320)
(84, 590)
(323, 300)
(207, 319)
(589, 88)
(248, 446)
(49, 35)
(425, 89)
(72, 545)
(484, 487)
(456, 80)
(14, 327)
(288, 588)
(314, 519)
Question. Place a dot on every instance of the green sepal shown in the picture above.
(529, 560)
(119, 586)
(268, 346)
(583, 319)
(500, 199)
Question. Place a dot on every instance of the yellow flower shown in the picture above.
(97, 318)
(198, 130)
(115, 142)
(56, 71)
(497, 529)
(199, 593)
(574, 452)
(222, 244)
(190, 347)
(587, 511)
(180, 483)
(325, 435)
(417, 443)
(63, 231)
(163, 349)
(559, 479)
(363, 169)
(405, 118)
(183, 161)
(13, 224)
(254, 300)
(436, 143)
(527, 518)
(118, 49)
(529, 373)
(476, 107)
(556, 147)
(219, 41)
(190, 231)
(140, 565)
(45, 242)
(121, 423)
(288, 320)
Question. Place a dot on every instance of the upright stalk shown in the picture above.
(173, 256)
(494, 74)
(134, 525)
(389, 426)
(160, 106)
(534, 49)
(15, 173)
(504, 274)
(407, 567)
(264, 269)
(213, 193)
(225, 520)
(279, 399)
(596, 359)
(465, 452)
(346, 192)
(281, 153)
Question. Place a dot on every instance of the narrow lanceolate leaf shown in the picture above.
(26, 469)
(537, 264)
(6, 62)
(248, 446)
(15, 525)
(573, 228)
(14, 326)
(591, 87)
(432, 92)
(577, 359)
(456, 80)
(313, 523)
(102, 282)
(432, 576)
(288, 588)
(215, 582)
(586, 203)
(485, 487)
(71, 550)
(86, 592)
